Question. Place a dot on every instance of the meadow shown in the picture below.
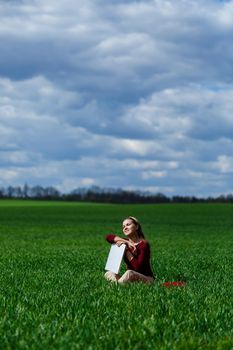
(53, 294)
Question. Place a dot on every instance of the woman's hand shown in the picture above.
(119, 241)
(129, 255)
(132, 247)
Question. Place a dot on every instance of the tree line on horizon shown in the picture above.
(103, 195)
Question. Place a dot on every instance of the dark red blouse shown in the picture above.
(141, 258)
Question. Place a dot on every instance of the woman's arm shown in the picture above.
(115, 239)
(143, 256)
(119, 241)
(110, 238)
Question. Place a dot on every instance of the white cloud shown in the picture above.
(153, 174)
(224, 164)
(8, 176)
(192, 111)
(14, 157)
(224, 16)
(134, 94)
(69, 183)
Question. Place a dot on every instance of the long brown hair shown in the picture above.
(139, 227)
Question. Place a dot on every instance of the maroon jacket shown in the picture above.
(141, 260)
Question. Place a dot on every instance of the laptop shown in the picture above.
(115, 257)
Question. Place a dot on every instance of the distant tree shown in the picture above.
(18, 193)
(26, 190)
(51, 192)
(105, 195)
(10, 191)
(229, 198)
(161, 198)
(37, 192)
(2, 192)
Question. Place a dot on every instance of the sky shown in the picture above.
(120, 94)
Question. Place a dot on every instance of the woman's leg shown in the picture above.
(133, 276)
(111, 276)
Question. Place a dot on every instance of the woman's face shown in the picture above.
(129, 227)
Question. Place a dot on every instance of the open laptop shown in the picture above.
(115, 257)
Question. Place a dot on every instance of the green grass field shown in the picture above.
(53, 294)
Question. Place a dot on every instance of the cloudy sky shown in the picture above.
(117, 93)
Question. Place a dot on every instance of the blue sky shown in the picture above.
(130, 94)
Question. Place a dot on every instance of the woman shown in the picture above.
(137, 254)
